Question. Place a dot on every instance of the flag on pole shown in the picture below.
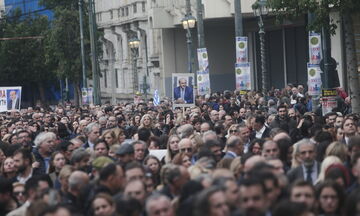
(156, 98)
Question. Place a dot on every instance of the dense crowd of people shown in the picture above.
(229, 154)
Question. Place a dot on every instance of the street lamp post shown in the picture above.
(134, 47)
(188, 23)
(260, 10)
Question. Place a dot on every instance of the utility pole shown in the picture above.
(200, 24)
(82, 44)
(239, 32)
(95, 73)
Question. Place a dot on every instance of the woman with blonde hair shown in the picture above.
(337, 149)
(172, 148)
(327, 162)
(146, 122)
(110, 137)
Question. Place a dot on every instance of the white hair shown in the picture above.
(42, 137)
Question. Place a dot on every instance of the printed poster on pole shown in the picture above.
(203, 77)
(242, 76)
(203, 82)
(10, 98)
(315, 48)
(241, 50)
(314, 79)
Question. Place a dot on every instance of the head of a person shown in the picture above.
(125, 153)
(134, 171)
(111, 122)
(182, 82)
(77, 181)
(136, 189)
(244, 133)
(303, 192)
(185, 131)
(253, 199)
(13, 95)
(158, 204)
(231, 190)
(101, 148)
(282, 111)
(80, 159)
(57, 161)
(306, 151)
(8, 166)
(330, 118)
(175, 176)
(103, 205)
(330, 197)
(109, 136)
(112, 176)
(212, 202)
(182, 159)
(146, 121)
(23, 160)
(214, 115)
(152, 163)
(45, 143)
(349, 127)
(92, 131)
(173, 144)
(270, 149)
(185, 145)
(139, 150)
(235, 144)
(258, 122)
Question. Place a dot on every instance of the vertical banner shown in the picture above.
(315, 55)
(87, 95)
(203, 82)
(10, 98)
(156, 98)
(242, 74)
(314, 79)
(328, 100)
(203, 77)
(241, 50)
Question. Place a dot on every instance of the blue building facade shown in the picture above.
(28, 7)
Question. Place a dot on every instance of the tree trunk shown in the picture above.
(351, 62)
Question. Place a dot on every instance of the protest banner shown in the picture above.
(242, 76)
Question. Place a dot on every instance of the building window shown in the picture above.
(127, 11)
(119, 12)
(117, 78)
(143, 4)
(111, 14)
(135, 8)
(122, 12)
(105, 79)
(98, 17)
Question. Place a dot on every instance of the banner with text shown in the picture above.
(242, 76)
(241, 49)
(314, 79)
(203, 82)
(315, 55)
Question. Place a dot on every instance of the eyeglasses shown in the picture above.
(186, 150)
(233, 131)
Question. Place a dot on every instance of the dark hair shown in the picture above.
(202, 203)
(107, 171)
(260, 119)
(6, 186)
(301, 183)
(249, 182)
(286, 208)
(97, 142)
(134, 165)
(339, 191)
(353, 141)
(26, 154)
(281, 106)
(144, 134)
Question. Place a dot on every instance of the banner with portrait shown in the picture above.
(242, 76)
(87, 95)
(241, 50)
(314, 79)
(10, 98)
(183, 89)
(315, 55)
(203, 59)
